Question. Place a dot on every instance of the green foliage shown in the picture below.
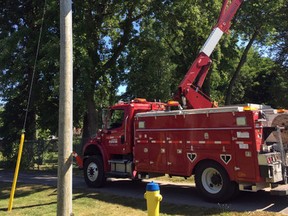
(149, 65)
(280, 45)
(146, 45)
(1, 120)
(19, 32)
(262, 81)
(168, 42)
(259, 23)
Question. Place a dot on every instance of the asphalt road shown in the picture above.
(172, 193)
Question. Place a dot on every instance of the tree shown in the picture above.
(256, 23)
(168, 42)
(147, 45)
(261, 82)
(19, 33)
(103, 30)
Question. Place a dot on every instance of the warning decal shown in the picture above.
(225, 158)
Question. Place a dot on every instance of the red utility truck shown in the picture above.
(227, 149)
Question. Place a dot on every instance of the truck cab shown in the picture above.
(110, 152)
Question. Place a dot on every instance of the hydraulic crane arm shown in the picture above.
(189, 89)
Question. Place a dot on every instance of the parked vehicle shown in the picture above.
(228, 149)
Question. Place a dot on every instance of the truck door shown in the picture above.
(245, 154)
(176, 155)
(149, 151)
(115, 133)
(157, 152)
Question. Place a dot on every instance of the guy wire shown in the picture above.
(34, 67)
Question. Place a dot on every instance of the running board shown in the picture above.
(116, 174)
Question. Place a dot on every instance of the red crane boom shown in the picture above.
(189, 90)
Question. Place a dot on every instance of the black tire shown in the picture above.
(94, 172)
(213, 182)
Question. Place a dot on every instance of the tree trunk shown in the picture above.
(90, 122)
(239, 66)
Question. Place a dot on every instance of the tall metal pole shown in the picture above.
(64, 185)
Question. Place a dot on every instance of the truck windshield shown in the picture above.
(113, 118)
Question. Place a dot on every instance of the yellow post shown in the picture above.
(16, 172)
(153, 198)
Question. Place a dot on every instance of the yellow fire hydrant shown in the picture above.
(153, 198)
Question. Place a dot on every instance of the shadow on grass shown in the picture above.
(29, 206)
(22, 190)
(177, 199)
(182, 199)
(137, 203)
(5, 188)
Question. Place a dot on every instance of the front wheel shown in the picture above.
(213, 182)
(94, 172)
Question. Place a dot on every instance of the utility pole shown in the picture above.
(64, 185)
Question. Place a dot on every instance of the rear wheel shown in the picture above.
(213, 182)
(94, 172)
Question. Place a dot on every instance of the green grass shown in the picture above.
(175, 179)
(39, 200)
